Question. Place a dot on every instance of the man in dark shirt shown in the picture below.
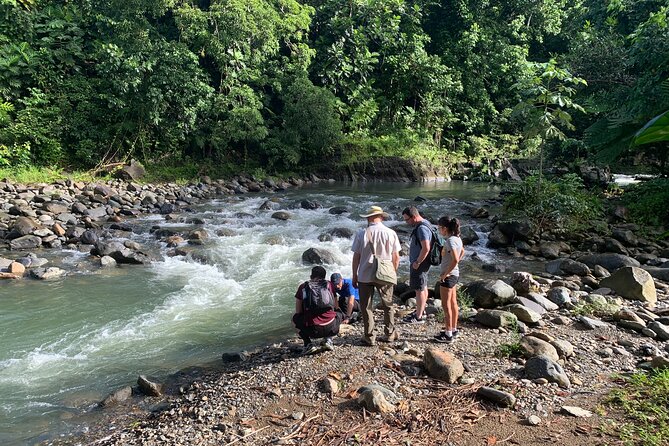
(316, 324)
(349, 298)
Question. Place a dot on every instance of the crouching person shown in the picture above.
(316, 314)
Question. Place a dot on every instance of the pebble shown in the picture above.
(533, 420)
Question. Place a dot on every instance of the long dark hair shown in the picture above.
(452, 224)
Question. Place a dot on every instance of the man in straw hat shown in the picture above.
(376, 240)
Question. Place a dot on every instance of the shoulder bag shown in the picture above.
(384, 270)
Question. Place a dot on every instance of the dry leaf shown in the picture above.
(491, 441)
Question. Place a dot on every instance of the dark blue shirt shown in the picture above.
(347, 290)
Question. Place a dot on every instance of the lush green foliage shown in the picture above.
(562, 203)
(278, 84)
(648, 202)
(644, 400)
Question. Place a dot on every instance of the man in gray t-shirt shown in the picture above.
(419, 248)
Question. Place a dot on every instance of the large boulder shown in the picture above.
(524, 283)
(567, 266)
(632, 283)
(318, 256)
(47, 273)
(490, 293)
(468, 235)
(658, 273)
(543, 301)
(132, 172)
(544, 367)
(533, 346)
(119, 252)
(516, 229)
(609, 261)
(497, 239)
(443, 365)
(496, 318)
(559, 295)
(22, 226)
(523, 313)
(25, 242)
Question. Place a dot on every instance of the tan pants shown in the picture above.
(367, 307)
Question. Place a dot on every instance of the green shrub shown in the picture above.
(648, 202)
(644, 401)
(560, 203)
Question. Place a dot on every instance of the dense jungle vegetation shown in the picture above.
(283, 84)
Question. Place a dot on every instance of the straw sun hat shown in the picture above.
(375, 210)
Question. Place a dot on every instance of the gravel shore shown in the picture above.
(277, 396)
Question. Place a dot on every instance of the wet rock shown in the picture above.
(341, 232)
(107, 262)
(310, 204)
(480, 213)
(116, 397)
(318, 256)
(149, 387)
(442, 365)
(609, 261)
(281, 215)
(497, 239)
(490, 293)
(632, 283)
(517, 229)
(235, 357)
(545, 367)
(47, 273)
(16, 268)
(119, 252)
(88, 237)
(338, 210)
(468, 235)
(499, 397)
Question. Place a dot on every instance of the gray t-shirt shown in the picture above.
(385, 244)
(420, 233)
(451, 244)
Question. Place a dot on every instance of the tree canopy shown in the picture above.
(280, 84)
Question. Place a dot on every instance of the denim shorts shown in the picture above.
(450, 282)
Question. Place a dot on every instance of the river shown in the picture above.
(67, 344)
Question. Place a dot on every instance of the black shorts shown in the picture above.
(450, 282)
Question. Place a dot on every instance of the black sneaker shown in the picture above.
(443, 338)
(412, 319)
(310, 349)
(456, 333)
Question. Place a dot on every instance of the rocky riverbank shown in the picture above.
(532, 367)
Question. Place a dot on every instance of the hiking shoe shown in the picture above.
(412, 319)
(328, 346)
(392, 337)
(443, 338)
(368, 341)
(310, 349)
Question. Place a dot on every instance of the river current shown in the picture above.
(66, 344)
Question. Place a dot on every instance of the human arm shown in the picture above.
(453, 259)
(356, 264)
(424, 250)
(396, 260)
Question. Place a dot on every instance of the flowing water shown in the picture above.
(67, 344)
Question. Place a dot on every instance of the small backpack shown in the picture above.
(436, 244)
(317, 297)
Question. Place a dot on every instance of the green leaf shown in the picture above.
(656, 130)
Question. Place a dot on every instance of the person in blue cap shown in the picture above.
(349, 298)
